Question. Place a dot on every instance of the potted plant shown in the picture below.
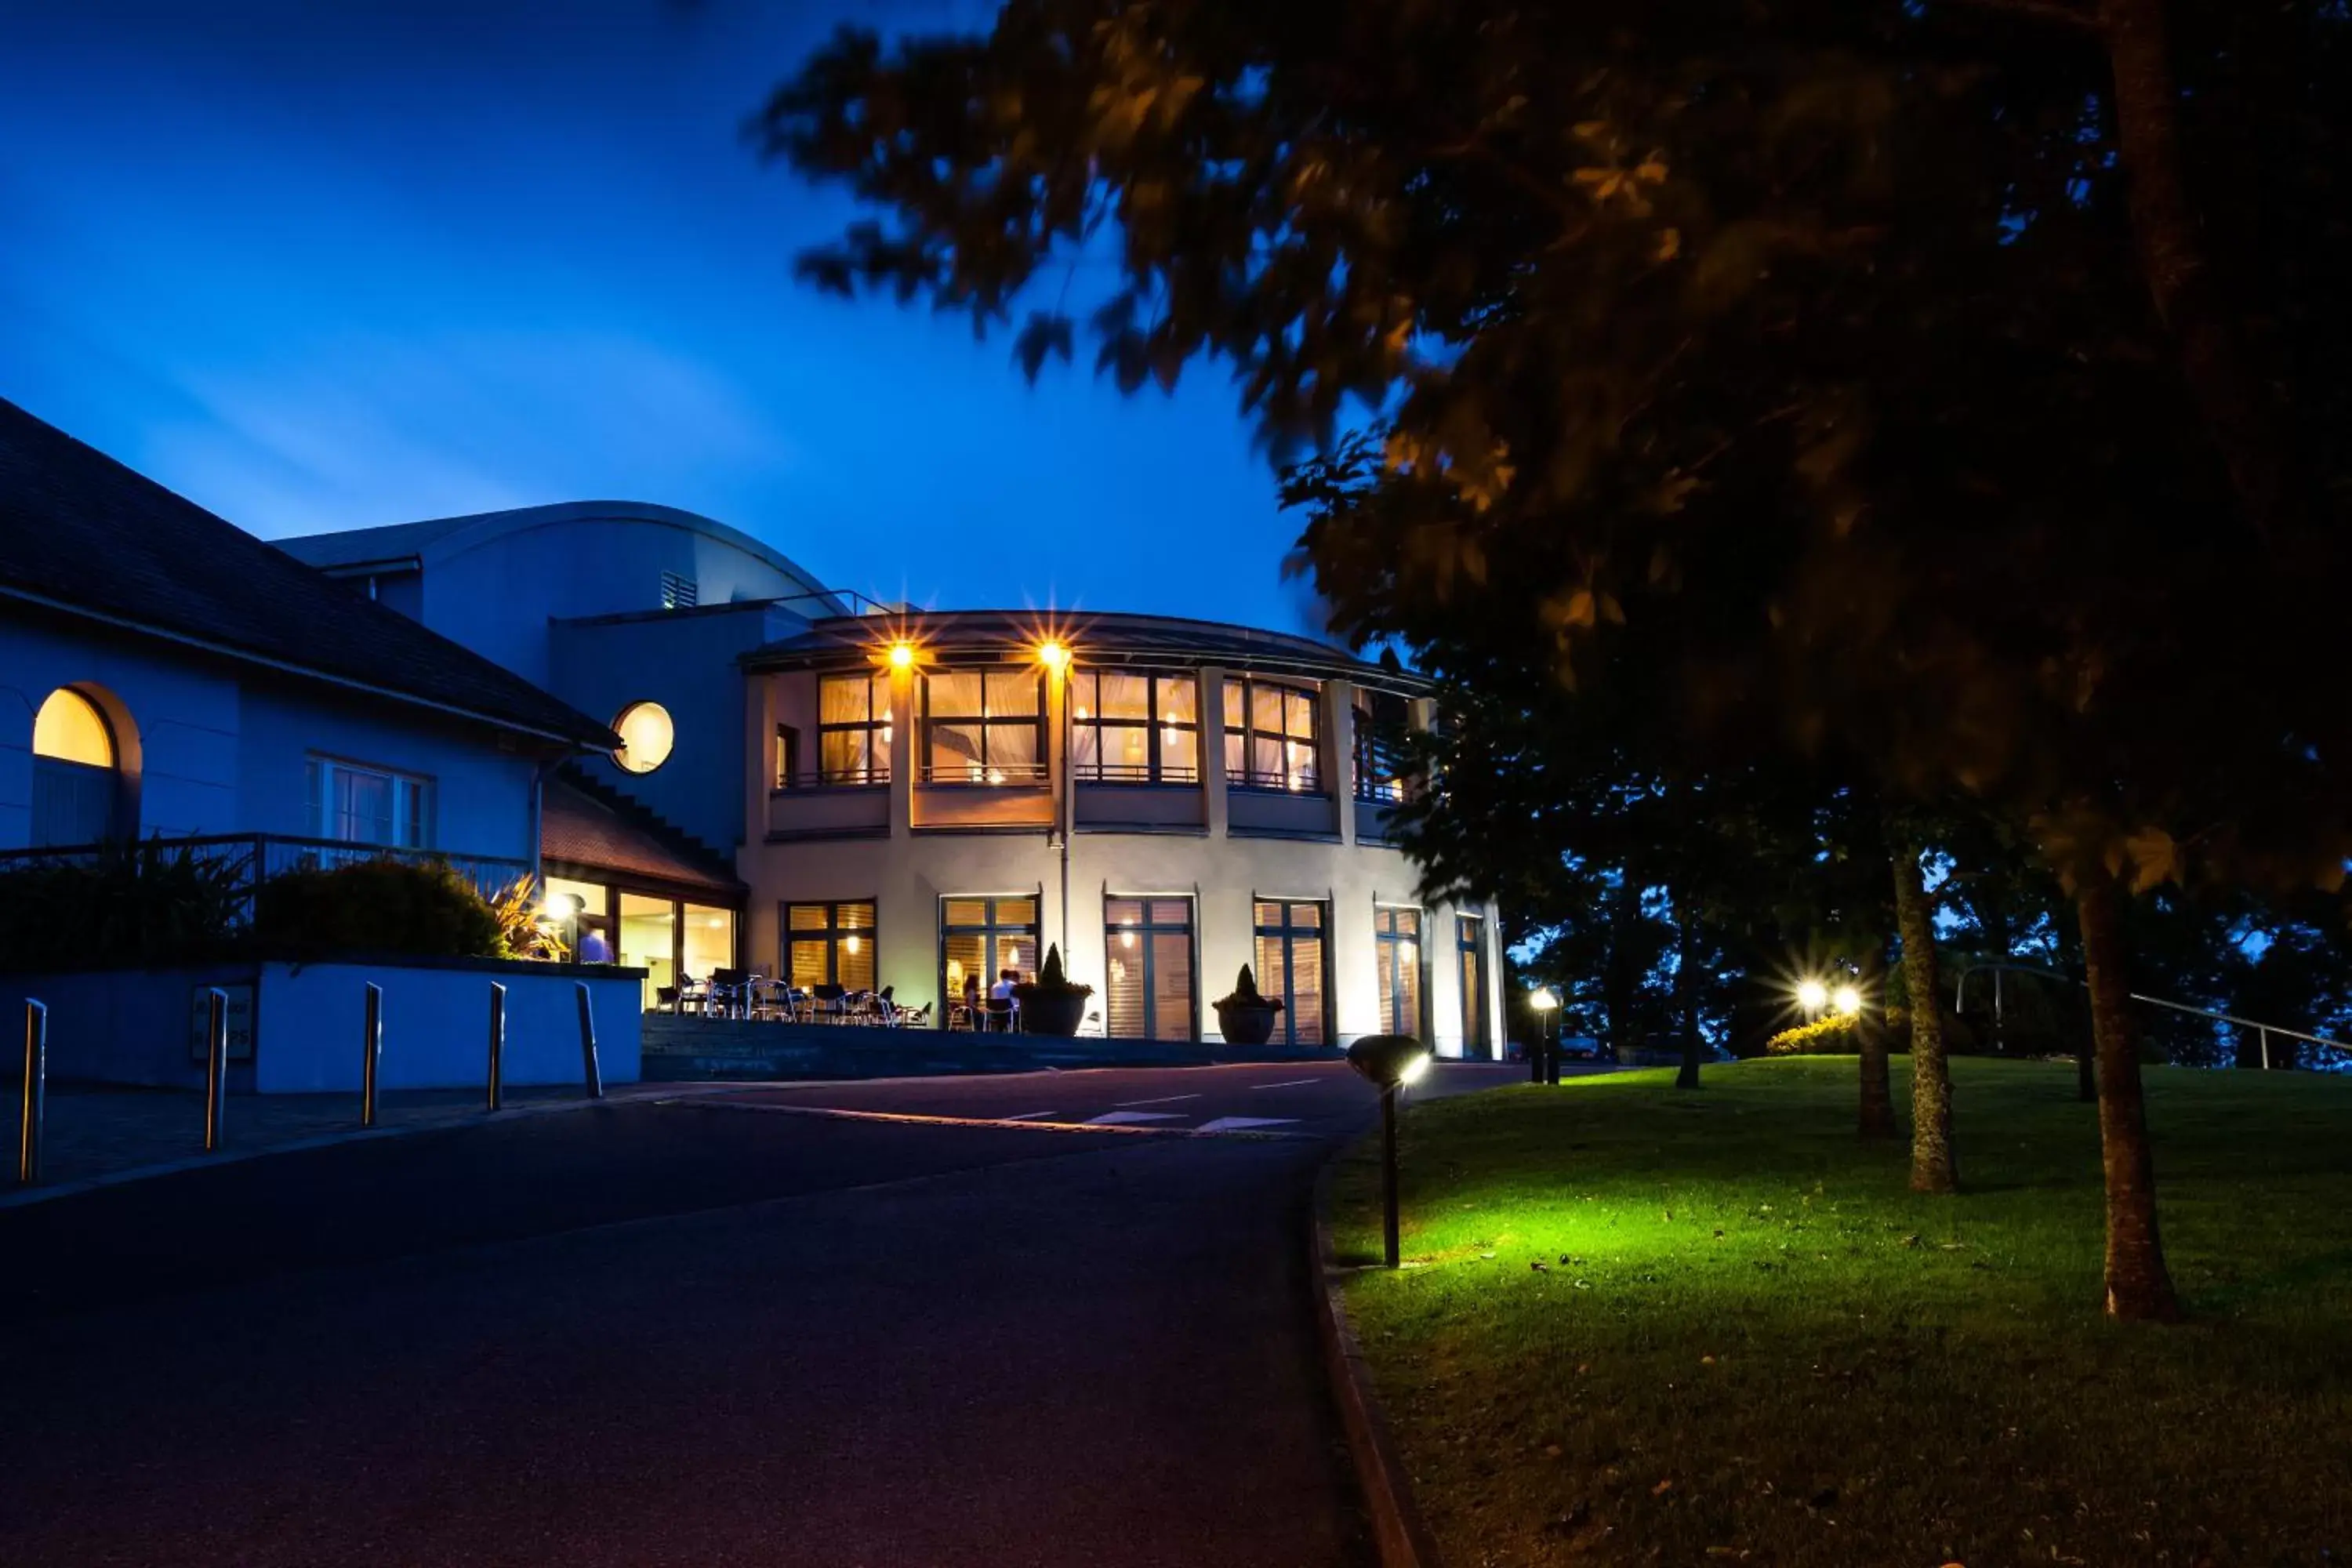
(1246, 1018)
(1051, 1003)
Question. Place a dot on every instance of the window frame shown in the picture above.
(1247, 776)
(834, 935)
(877, 730)
(1287, 931)
(993, 775)
(991, 932)
(1386, 936)
(1378, 743)
(414, 800)
(1146, 927)
(1155, 728)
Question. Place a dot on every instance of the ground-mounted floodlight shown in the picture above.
(1389, 1061)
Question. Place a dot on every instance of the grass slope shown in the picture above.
(1750, 1341)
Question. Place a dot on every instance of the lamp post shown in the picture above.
(1544, 1060)
(1812, 996)
(1389, 1061)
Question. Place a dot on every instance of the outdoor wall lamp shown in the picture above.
(1389, 1061)
(902, 655)
(1053, 655)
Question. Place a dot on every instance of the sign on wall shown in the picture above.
(241, 1019)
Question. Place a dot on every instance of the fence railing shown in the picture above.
(2263, 1031)
(268, 854)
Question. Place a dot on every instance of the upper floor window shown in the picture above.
(354, 804)
(984, 727)
(680, 592)
(78, 792)
(1135, 729)
(1379, 748)
(646, 736)
(853, 730)
(1272, 735)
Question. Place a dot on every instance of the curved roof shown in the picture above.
(1099, 639)
(82, 534)
(440, 537)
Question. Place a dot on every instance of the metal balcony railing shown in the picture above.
(263, 856)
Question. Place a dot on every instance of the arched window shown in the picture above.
(76, 774)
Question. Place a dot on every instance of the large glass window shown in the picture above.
(981, 938)
(830, 944)
(853, 730)
(1292, 961)
(1149, 965)
(1379, 748)
(984, 727)
(353, 803)
(706, 938)
(1130, 727)
(77, 788)
(1271, 735)
(1397, 938)
(648, 931)
(1470, 955)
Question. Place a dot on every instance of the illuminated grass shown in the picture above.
(1750, 1341)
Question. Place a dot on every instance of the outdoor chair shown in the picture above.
(1000, 1013)
(825, 1003)
(887, 1009)
(726, 995)
(914, 1017)
(665, 999)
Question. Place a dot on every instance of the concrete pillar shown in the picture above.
(1212, 749)
(905, 687)
(1339, 753)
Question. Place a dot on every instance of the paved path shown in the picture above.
(704, 1332)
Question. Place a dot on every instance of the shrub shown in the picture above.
(1834, 1035)
(1246, 992)
(1051, 981)
(381, 906)
(129, 904)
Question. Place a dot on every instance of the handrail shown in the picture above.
(1960, 992)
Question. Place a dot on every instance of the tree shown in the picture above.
(1933, 1166)
(1796, 354)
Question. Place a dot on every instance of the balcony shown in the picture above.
(830, 805)
(256, 858)
(1282, 806)
(1140, 806)
(970, 795)
(1375, 806)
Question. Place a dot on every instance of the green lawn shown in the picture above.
(1749, 1343)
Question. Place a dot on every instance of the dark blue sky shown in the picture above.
(341, 262)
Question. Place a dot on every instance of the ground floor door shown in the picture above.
(1470, 940)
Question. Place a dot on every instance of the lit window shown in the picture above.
(77, 794)
(830, 944)
(853, 730)
(646, 736)
(1271, 736)
(1149, 969)
(1131, 728)
(984, 727)
(1396, 935)
(70, 729)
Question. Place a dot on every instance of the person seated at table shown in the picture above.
(1006, 979)
(972, 1000)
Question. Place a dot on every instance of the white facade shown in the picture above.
(207, 746)
(578, 598)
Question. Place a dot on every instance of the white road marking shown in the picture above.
(1247, 1124)
(1163, 1100)
(1026, 1115)
(1121, 1118)
(1288, 1083)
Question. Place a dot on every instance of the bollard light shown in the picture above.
(1389, 1061)
(1543, 1062)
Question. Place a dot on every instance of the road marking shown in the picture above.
(1287, 1083)
(1103, 1128)
(1026, 1115)
(1163, 1100)
(1247, 1124)
(1121, 1118)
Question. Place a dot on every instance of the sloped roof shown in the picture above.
(1099, 639)
(585, 824)
(83, 535)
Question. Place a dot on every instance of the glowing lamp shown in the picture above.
(1848, 1000)
(1813, 995)
(902, 655)
(849, 944)
(1053, 655)
(1389, 1061)
(1542, 999)
(561, 906)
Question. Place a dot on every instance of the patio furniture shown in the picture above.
(693, 996)
(1000, 1014)
(886, 1007)
(825, 1004)
(770, 999)
(727, 993)
(665, 999)
(914, 1017)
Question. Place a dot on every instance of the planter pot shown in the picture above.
(1248, 1023)
(1053, 1012)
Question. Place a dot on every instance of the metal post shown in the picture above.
(497, 1039)
(371, 1052)
(589, 1069)
(1389, 1172)
(2000, 1029)
(2266, 1050)
(36, 1083)
(215, 1063)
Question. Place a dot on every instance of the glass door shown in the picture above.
(1469, 933)
(1148, 944)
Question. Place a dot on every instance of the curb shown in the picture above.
(1399, 1532)
(48, 1191)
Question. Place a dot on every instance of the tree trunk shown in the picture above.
(1877, 1119)
(1686, 998)
(1933, 1169)
(2138, 1287)
(1619, 981)
(2229, 395)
